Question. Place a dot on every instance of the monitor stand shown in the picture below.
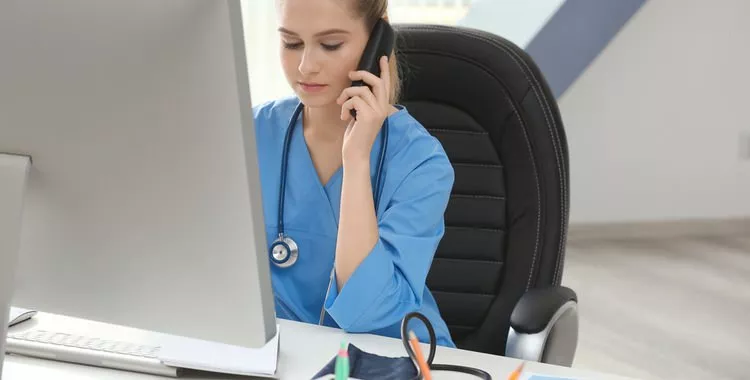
(14, 171)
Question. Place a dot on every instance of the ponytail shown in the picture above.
(395, 79)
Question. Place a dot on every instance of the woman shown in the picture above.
(358, 268)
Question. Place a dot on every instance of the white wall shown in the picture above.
(653, 124)
(267, 79)
(517, 20)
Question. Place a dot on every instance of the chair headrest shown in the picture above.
(471, 70)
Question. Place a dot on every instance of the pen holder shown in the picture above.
(367, 366)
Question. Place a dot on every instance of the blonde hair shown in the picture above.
(372, 11)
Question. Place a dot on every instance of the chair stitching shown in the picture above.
(552, 127)
(469, 164)
(484, 133)
(536, 179)
(477, 196)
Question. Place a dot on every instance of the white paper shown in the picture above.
(538, 376)
(216, 357)
(18, 315)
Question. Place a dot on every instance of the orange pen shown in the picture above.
(423, 367)
(515, 375)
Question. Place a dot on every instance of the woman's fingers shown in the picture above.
(380, 85)
(362, 91)
(364, 111)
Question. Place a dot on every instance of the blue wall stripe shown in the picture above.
(574, 37)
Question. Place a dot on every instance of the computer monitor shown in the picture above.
(142, 203)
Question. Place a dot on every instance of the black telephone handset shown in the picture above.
(382, 39)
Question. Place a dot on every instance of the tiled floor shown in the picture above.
(663, 308)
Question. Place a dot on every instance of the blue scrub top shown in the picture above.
(390, 282)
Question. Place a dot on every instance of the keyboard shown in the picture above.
(88, 343)
(89, 350)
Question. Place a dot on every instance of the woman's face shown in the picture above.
(321, 42)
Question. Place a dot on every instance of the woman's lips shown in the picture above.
(312, 87)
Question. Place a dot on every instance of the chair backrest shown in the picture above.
(489, 105)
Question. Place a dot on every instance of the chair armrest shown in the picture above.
(544, 326)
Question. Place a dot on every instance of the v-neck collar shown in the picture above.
(331, 190)
(312, 173)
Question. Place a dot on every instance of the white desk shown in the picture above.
(304, 349)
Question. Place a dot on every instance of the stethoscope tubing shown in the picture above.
(377, 187)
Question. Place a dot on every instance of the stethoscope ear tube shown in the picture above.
(285, 163)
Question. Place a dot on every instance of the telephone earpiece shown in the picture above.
(382, 39)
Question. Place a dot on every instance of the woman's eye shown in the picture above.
(292, 45)
(331, 47)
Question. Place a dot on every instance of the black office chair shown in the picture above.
(497, 272)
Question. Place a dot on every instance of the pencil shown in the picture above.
(515, 375)
(424, 368)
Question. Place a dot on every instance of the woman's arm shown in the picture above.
(381, 266)
(387, 280)
(358, 224)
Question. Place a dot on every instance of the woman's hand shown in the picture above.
(372, 107)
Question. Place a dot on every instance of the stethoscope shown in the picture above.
(284, 251)
(476, 372)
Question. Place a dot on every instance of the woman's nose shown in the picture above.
(309, 63)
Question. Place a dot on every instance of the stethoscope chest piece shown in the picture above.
(284, 251)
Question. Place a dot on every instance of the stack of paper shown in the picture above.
(546, 377)
(222, 358)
